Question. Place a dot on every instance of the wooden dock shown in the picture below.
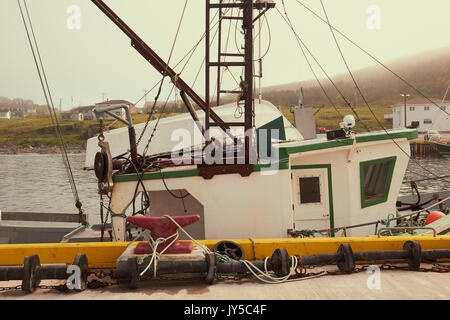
(421, 148)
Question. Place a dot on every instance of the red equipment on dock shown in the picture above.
(163, 227)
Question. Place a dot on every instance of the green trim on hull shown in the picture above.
(443, 148)
(156, 175)
(317, 146)
(410, 135)
(284, 152)
(184, 173)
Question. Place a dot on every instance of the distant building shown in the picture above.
(69, 116)
(17, 114)
(421, 112)
(133, 108)
(84, 113)
(5, 114)
(121, 112)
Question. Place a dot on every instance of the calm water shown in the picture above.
(38, 183)
(438, 166)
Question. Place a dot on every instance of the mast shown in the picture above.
(246, 10)
(159, 64)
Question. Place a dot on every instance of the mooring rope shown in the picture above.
(261, 275)
(51, 108)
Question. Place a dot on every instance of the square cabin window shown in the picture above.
(309, 190)
(426, 108)
(376, 176)
(412, 108)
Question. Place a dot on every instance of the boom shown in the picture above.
(159, 64)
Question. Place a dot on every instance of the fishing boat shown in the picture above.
(251, 175)
(443, 148)
(240, 181)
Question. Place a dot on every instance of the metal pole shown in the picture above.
(219, 57)
(260, 61)
(207, 62)
(404, 95)
(404, 99)
(248, 90)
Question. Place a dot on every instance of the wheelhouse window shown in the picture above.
(427, 121)
(376, 176)
(412, 108)
(309, 190)
(426, 108)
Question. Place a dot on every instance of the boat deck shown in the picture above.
(394, 285)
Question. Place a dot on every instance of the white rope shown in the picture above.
(155, 255)
(203, 247)
(263, 276)
(154, 245)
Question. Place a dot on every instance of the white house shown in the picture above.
(5, 114)
(422, 112)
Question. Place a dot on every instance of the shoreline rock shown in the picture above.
(39, 149)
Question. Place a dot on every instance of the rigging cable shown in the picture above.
(310, 67)
(171, 193)
(371, 56)
(188, 55)
(365, 101)
(50, 106)
(224, 68)
(211, 42)
(168, 97)
(157, 122)
(323, 70)
(204, 59)
(163, 76)
(437, 114)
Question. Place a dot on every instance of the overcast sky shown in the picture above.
(97, 59)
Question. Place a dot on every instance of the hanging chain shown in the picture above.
(97, 278)
(101, 278)
(101, 137)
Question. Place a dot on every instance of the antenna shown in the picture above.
(404, 95)
(300, 97)
(445, 94)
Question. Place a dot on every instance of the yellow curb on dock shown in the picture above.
(105, 254)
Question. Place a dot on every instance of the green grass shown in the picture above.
(39, 132)
(330, 119)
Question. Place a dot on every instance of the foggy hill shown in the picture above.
(429, 72)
